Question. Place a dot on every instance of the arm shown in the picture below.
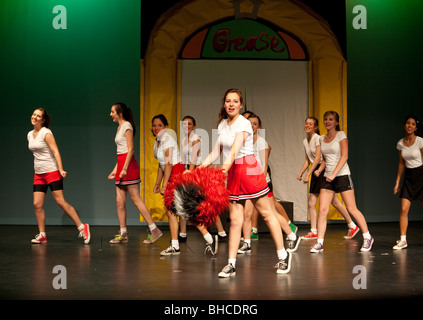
(236, 146)
(194, 153)
(314, 164)
(401, 168)
(167, 169)
(159, 178)
(303, 168)
(344, 157)
(130, 142)
(212, 155)
(55, 150)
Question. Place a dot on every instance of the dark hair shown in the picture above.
(419, 127)
(336, 115)
(191, 118)
(126, 113)
(316, 123)
(162, 119)
(46, 117)
(222, 113)
(252, 115)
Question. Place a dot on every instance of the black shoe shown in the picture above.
(284, 265)
(293, 244)
(212, 248)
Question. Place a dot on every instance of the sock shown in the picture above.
(404, 238)
(43, 234)
(152, 226)
(281, 254)
(123, 230)
(222, 233)
(208, 237)
(232, 262)
(175, 244)
(292, 236)
(351, 225)
(366, 235)
(182, 235)
(254, 230)
(314, 231)
(247, 241)
(81, 227)
(320, 241)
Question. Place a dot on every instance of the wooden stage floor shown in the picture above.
(134, 271)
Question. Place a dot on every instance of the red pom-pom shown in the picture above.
(199, 195)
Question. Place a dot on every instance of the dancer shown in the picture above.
(49, 172)
(410, 150)
(166, 151)
(245, 179)
(191, 153)
(334, 147)
(262, 152)
(313, 159)
(127, 176)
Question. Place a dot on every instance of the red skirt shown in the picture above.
(246, 179)
(132, 174)
(176, 169)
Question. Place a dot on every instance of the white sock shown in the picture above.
(81, 227)
(123, 230)
(183, 235)
(281, 254)
(43, 234)
(175, 244)
(152, 226)
(248, 241)
(320, 241)
(254, 230)
(403, 238)
(232, 262)
(208, 237)
(222, 233)
(366, 235)
(314, 231)
(351, 225)
(292, 236)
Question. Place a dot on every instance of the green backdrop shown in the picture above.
(384, 84)
(76, 74)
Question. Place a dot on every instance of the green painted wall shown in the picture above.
(76, 74)
(384, 84)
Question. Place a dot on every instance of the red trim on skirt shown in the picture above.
(132, 174)
(246, 179)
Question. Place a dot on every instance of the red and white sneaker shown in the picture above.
(85, 233)
(39, 238)
(310, 235)
(352, 232)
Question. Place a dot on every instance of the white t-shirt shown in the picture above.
(120, 139)
(44, 160)
(310, 147)
(226, 137)
(166, 142)
(259, 145)
(187, 148)
(332, 153)
(412, 155)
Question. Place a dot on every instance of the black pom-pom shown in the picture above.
(186, 200)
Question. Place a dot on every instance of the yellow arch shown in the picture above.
(159, 79)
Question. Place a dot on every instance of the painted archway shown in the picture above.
(160, 68)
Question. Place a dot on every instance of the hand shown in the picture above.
(317, 173)
(330, 178)
(306, 179)
(63, 173)
(123, 173)
(156, 188)
(112, 176)
(299, 178)
(396, 188)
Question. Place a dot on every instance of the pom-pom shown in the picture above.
(198, 195)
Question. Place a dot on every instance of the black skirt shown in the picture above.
(412, 186)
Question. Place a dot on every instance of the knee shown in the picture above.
(38, 205)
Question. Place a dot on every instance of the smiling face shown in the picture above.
(115, 116)
(188, 126)
(157, 126)
(330, 122)
(410, 126)
(254, 124)
(232, 104)
(310, 126)
(37, 118)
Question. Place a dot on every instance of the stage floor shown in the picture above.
(134, 271)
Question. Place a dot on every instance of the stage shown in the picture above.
(135, 271)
